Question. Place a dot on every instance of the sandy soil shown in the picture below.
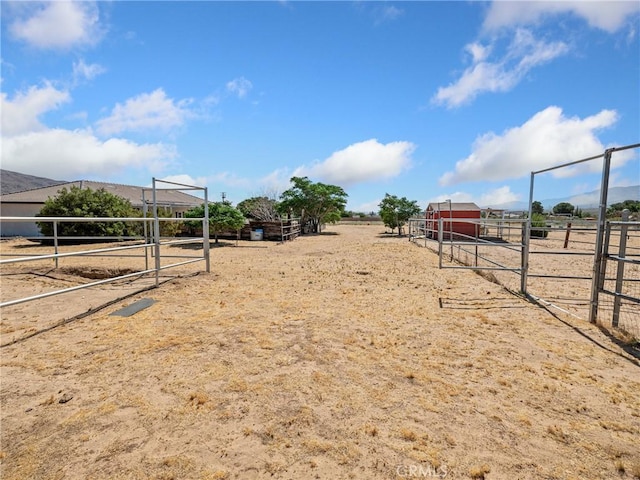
(343, 355)
(571, 294)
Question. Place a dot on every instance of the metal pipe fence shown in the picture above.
(550, 268)
(618, 286)
(149, 244)
(57, 255)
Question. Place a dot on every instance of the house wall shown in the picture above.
(19, 229)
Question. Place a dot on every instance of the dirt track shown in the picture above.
(345, 355)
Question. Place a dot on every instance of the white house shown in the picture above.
(29, 202)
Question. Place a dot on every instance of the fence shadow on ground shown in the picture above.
(633, 351)
(486, 303)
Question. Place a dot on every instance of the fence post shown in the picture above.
(526, 238)
(156, 232)
(205, 232)
(440, 235)
(55, 240)
(602, 218)
(145, 229)
(566, 236)
(620, 273)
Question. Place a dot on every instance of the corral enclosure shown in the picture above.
(560, 267)
(342, 355)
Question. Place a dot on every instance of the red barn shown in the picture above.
(456, 230)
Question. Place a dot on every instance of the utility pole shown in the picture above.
(224, 196)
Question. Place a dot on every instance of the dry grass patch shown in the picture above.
(320, 372)
(408, 435)
(479, 472)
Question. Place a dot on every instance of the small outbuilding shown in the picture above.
(452, 229)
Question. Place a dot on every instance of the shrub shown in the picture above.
(539, 226)
(87, 203)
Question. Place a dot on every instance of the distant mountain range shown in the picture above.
(12, 182)
(585, 201)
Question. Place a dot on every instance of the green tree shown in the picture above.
(563, 208)
(259, 208)
(85, 202)
(536, 207)
(222, 217)
(631, 205)
(167, 229)
(539, 226)
(395, 212)
(315, 203)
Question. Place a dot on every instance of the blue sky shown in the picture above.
(428, 100)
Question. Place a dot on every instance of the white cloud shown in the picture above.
(492, 198)
(21, 113)
(68, 154)
(147, 111)
(362, 162)
(545, 140)
(239, 86)
(276, 181)
(478, 51)
(58, 24)
(455, 197)
(82, 71)
(615, 180)
(523, 54)
(499, 196)
(386, 13)
(608, 16)
(183, 179)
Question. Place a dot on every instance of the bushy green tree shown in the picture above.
(563, 208)
(85, 202)
(222, 217)
(536, 207)
(395, 212)
(315, 203)
(617, 208)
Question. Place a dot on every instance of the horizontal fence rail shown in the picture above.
(150, 242)
(148, 247)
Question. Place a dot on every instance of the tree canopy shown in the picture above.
(259, 208)
(315, 203)
(631, 205)
(222, 217)
(536, 207)
(395, 212)
(85, 202)
(563, 208)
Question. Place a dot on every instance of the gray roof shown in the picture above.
(132, 193)
(463, 206)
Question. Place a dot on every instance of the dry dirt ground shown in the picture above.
(571, 267)
(347, 355)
